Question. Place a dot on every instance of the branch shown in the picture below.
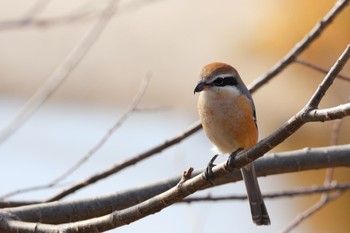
(109, 133)
(328, 80)
(311, 211)
(76, 16)
(118, 167)
(326, 196)
(271, 164)
(132, 107)
(320, 69)
(315, 189)
(308, 114)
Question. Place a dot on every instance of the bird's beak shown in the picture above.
(200, 87)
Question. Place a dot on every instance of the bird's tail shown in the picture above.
(256, 202)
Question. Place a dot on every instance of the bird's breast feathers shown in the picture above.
(227, 118)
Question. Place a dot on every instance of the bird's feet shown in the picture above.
(209, 174)
(231, 159)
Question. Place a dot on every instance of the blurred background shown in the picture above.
(171, 41)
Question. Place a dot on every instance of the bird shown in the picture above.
(227, 114)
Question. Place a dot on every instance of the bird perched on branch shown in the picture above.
(227, 112)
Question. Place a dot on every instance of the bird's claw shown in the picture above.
(231, 159)
(209, 174)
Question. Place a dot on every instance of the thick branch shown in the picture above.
(272, 164)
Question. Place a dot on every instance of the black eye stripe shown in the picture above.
(227, 81)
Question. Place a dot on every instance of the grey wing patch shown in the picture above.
(254, 117)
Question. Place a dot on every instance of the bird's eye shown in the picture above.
(219, 82)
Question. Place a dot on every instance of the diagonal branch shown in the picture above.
(301, 45)
(307, 114)
(328, 80)
(94, 149)
(118, 167)
(313, 209)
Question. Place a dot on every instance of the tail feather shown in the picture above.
(258, 209)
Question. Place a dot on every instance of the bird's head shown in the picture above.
(216, 76)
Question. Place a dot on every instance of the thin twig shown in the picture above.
(328, 80)
(279, 194)
(300, 218)
(39, 6)
(301, 45)
(328, 180)
(307, 114)
(30, 189)
(94, 149)
(320, 69)
(118, 167)
(77, 16)
(109, 133)
(61, 73)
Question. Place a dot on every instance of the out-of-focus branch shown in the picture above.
(301, 45)
(39, 6)
(81, 15)
(94, 149)
(61, 73)
(326, 197)
(311, 211)
(320, 69)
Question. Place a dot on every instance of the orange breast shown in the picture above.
(227, 120)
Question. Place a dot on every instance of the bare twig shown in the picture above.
(39, 6)
(94, 149)
(335, 132)
(30, 189)
(133, 160)
(61, 73)
(186, 175)
(279, 194)
(77, 16)
(109, 133)
(326, 196)
(328, 80)
(311, 211)
(320, 69)
(301, 45)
